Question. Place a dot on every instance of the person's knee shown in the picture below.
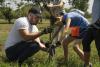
(65, 42)
(35, 47)
(75, 47)
(76, 44)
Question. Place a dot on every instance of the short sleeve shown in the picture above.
(21, 25)
(34, 28)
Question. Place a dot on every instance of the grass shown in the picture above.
(41, 58)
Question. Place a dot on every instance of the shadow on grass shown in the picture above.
(6, 23)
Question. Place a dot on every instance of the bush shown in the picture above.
(1, 15)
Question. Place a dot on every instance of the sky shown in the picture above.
(14, 6)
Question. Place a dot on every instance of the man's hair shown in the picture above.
(34, 11)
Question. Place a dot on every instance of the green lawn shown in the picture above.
(41, 58)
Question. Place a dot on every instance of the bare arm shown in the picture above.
(68, 24)
(29, 36)
(66, 28)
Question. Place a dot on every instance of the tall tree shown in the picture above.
(7, 12)
(80, 4)
(1, 2)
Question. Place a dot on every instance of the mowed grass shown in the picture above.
(41, 59)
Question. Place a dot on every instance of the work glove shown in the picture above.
(47, 30)
(47, 44)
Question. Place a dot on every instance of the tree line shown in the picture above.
(9, 14)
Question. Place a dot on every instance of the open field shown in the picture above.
(41, 58)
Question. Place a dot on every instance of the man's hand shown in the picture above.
(47, 30)
(42, 45)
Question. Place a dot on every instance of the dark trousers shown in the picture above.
(22, 50)
(91, 34)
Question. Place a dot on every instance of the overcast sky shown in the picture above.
(90, 4)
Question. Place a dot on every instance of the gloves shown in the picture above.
(47, 30)
(47, 44)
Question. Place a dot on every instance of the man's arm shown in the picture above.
(68, 21)
(40, 43)
(66, 28)
(29, 36)
(34, 36)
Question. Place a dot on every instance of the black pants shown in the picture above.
(91, 34)
(22, 50)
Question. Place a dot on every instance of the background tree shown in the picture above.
(1, 6)
(1, 2)
(79, 4)
(7, 12)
